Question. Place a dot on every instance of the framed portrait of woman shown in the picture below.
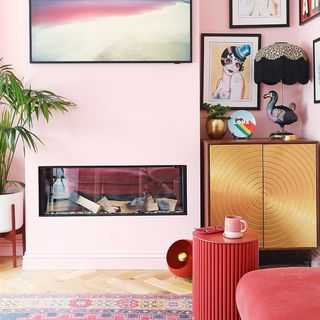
(227, 70)
(259, 13)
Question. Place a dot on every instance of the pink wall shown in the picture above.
(126, 114)
(309, 32)
(129, 114)
(215, 19)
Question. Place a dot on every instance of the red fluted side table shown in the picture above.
(218, 265)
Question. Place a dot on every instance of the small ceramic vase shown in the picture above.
(216, 128)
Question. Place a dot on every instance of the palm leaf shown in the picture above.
(19, 107)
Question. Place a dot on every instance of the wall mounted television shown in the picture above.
(74, 31)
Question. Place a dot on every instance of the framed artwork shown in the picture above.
(259, 13)
(227, 70)
(110, 31)
(308, 9)
(316, 69)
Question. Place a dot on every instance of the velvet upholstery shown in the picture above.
(102, 180)
(279, 294)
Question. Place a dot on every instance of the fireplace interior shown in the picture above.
(112, 190)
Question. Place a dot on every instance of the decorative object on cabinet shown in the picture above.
(316, 69)
(218, 265)
(242, 124)
(282, 63)
(179, 258)
(308, 10)
(271, 184)
(110, 31)
(216, 123)
(259, 14)
(227, 70)
(280, 115)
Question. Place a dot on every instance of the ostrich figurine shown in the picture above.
(280, 115)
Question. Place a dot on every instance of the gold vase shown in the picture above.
(216, 128)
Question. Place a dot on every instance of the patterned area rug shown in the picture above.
(95, 307)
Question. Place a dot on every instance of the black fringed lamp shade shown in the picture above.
(281, 62)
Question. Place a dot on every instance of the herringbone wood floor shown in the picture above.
(88, 281)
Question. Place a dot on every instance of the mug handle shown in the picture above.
(245, 225)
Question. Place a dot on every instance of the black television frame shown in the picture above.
(189, 60)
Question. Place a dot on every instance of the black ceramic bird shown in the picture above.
(280, 115)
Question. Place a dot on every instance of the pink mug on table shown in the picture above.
(234, 227)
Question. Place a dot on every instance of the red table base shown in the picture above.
(218, 265)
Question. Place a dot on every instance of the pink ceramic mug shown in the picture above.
(232, 225)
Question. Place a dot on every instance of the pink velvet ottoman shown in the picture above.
(279, 294)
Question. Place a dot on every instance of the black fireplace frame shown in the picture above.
(183, 193)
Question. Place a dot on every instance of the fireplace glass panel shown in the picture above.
(112, 191)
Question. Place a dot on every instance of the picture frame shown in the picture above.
(308, 10)
(316, 70)
(227, 70)
(259, 14)
(104, 31)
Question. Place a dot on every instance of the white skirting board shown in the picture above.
(73, 260)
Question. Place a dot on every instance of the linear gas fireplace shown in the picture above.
(112, 190)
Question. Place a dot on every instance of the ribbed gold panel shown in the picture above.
(290, 196)
(236, 184)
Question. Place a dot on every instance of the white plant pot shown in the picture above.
(6, 200)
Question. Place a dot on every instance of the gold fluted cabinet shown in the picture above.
(271, 184)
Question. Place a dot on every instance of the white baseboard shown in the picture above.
(46, 260)
(6, 247)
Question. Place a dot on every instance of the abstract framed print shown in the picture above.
(227, 70)
(316, 69)
(110, 31)
(308, 10)
(259, 13)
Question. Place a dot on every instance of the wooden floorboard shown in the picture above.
(89, 281)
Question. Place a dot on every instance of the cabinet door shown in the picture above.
(290, 209)
(236, 184)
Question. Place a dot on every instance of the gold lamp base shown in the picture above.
(283, 135)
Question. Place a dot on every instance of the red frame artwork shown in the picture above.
(308, 9)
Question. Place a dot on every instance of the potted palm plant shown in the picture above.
(19, 107)
(216, 120)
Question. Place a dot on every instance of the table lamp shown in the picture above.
(282, 63)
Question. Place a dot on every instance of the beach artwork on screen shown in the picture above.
(110, 31)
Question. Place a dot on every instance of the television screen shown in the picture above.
(110, 31)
